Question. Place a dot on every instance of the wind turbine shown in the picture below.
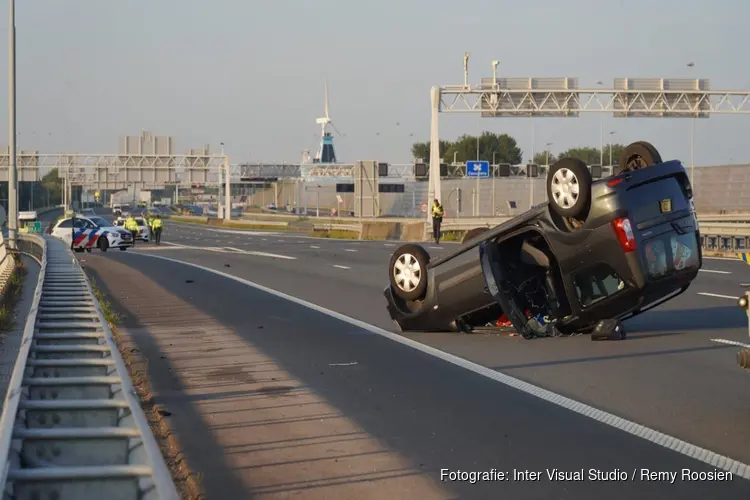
(326, 153)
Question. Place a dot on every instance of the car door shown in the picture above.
(82, 232)
(64, 230)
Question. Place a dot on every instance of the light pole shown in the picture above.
(227, 186)
(546, 146)
(692, 135)
(12, 159)
(601, 135)
(610, 146)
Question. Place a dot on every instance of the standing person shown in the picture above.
(437, 220)
(132, 226)
(73, 231)
(157, 226)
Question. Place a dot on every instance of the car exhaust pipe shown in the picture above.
(743, 359)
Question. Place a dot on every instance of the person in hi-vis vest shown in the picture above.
(437, 220)
(156, 227)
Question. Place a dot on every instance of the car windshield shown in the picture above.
(139, 221)
(100, 222)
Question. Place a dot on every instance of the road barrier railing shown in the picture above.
(72, 427)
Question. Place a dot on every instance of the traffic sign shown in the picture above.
(477, 169)
(423, 208)
(35, 227)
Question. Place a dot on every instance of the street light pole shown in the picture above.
(692, 153)
(227, 186)
(601, 136)
(12, 159)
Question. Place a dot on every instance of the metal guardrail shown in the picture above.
(724, 218)
(72, 427)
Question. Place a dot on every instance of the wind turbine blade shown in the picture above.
(325, 90)
(335, 129)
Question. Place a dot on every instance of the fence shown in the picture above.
(717, 187)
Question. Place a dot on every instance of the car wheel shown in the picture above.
(569, 188)
(122, 249)
(637, 155)
(78, 250)
(473, 233)
(408, 272)
(103, 244)
(88, 249)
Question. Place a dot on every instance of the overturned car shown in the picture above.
(594, 254)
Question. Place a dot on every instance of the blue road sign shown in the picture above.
(477, 169)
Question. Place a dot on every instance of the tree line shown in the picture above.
(502, 148)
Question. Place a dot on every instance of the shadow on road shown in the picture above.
(709, 318)
(430, 414)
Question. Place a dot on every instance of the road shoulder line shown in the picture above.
(682, 447)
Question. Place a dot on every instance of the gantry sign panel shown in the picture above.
(114, 172)
(539, 97)
(562, 97)
(28, 170)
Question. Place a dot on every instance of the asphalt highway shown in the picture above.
(433, 415)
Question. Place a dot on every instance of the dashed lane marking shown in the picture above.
(341, 267)
(718, 295)
(314, 246)
(731, 342)
(350, 250)
(714, 271)
(234, 251)
(677, 445)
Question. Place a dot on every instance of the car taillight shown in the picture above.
(624, 231)
(614, 182)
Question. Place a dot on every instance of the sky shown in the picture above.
(251, 73)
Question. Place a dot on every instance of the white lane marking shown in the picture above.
(234, 251)
(722, 258)
(349, 249)
(718, 295)
(341, 267)
(266, 254)
(643, 432)
(436, 248)
(731, 342)
(714, 271)
(314, 246)
(389, 244)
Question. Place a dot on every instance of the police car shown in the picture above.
(91, 232)
(143, 231)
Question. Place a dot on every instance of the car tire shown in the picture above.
(103, 244)
(473, 233)
(408, 272)
(122, 249)
(88, 249)
(569, 188)
(637, 155)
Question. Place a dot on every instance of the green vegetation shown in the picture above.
(452, 235)
(335, 234)
(502, 148)
(52, 184)
(10, 297)
(110, 315)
